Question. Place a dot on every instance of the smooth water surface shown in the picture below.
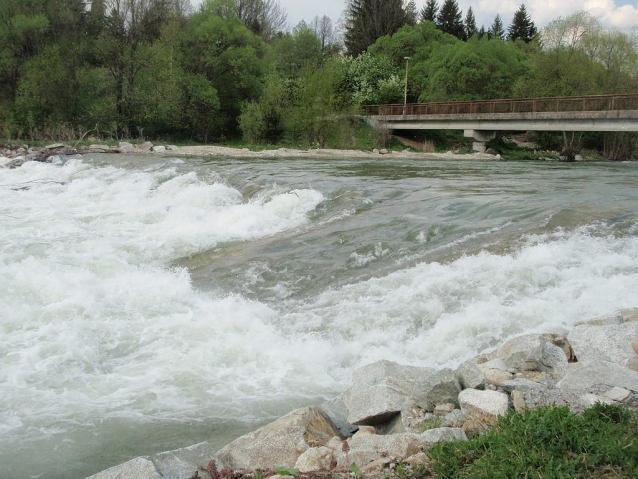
(148, 303)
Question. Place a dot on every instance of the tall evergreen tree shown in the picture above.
(481, 33)
(496, 31)
(450, 20)
(522, 26)
(367, 20)
(429, 12)
(470, 24)
(411, 13)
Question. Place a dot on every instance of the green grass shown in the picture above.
(548, 442)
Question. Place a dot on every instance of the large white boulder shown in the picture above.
(483, 407)
(600, 372)
(380, 390)
(609, 342)
(280, 443)
(533, 352)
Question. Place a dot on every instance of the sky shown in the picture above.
(618, 14)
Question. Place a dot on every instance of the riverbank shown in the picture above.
(40, 153)
(394, 414)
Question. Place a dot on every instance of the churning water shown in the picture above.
(150, 303)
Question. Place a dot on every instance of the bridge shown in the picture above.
(481, 120)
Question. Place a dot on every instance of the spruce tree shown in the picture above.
(470, 24)
(368, 20)
(496, 31)
(481, 33)
(428, 14)
(522, 26)
(411, 13)
(449, 19)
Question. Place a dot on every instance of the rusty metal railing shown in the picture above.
(511, 105)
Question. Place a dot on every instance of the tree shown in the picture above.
(470, 24)
(496, 30)
(367, 20)
(263, 17)
(324, 31)
(411, 13)
(449, 19)
(429, 12)
(522, 26)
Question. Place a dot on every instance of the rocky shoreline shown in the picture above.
(396, 412)
(26, 153)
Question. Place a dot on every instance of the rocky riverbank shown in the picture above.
(396, 412)
(43, 153)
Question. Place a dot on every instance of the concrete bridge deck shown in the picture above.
(481, 119)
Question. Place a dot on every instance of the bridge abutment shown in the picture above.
(481, 137)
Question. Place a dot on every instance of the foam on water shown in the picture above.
(96, 325)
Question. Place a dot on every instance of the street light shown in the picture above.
(405, 97)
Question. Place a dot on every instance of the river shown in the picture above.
(149, 303)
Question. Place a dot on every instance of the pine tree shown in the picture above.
(449, 19)
(368, 20)
(470, 24)
(522, 26)
(496, 31)
(411, 13)
(481, 33)
(428, 14)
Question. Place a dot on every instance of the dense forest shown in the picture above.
(233, 68)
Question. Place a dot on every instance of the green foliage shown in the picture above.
(477, 69)
(355, 470)
(546, 442)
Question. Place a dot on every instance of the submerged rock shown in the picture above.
(280, 443)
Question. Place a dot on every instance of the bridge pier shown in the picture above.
(481, 137)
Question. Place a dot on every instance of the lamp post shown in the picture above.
(405, 97)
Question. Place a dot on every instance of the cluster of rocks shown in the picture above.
(24, 153)
(396, 413)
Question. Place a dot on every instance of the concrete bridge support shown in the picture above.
(481, 137)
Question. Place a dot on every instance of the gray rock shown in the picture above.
(363, 430)
(615, 318)
(172, 147)
(518, 401)
(496, 376)
(532, 352)
(365, 449)
(381, 390)
(146, 146)
(442, 434)
(375, 151)
(600, 372)
(610, 342)
(496, 363)
(279, 444)
(125, 145)
(455, 419)
(634, 344)
(54, 146)
(315, 459)
(630, 315)
(383, 151)
(408, 420)
(519, 384)
(441, 387)
(534, 398)
(158, 149)
(589, 400)
(469, 375)
(443, 409)
(618, 394)
(632, 363)
(182, 463)
(483, 407)
(138, 468)
(337, 411)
